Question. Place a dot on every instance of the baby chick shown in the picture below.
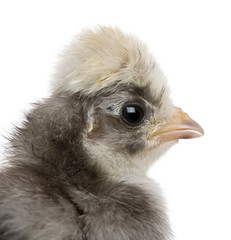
(77, 166)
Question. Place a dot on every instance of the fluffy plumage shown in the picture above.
(77, 166)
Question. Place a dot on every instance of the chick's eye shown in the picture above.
(132, 114)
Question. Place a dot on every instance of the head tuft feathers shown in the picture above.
(100, 58)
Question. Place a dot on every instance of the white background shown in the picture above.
(192, 42)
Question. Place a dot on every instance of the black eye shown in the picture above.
(132, 114)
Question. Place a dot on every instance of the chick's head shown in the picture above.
(129, 118)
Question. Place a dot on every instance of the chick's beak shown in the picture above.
(180, 126)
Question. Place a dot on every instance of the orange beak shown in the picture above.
(180, 126)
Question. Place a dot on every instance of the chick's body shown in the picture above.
(77, 166)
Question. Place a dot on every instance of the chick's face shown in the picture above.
(128, 127)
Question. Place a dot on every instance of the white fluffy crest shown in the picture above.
(100, 58)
